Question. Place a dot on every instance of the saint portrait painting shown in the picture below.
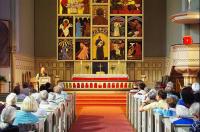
(134, 28)
(82, 26)
(117, 26)
(82, 49)
(126, 7)
(65, 49)
(100, 15)
(100, 67)
(100, 44)
(117, 49)
(65, 26)
(73, 6)
(134, 49)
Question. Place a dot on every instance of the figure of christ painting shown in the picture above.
(65, 49)
(73, 6)
(65, 26)
(100, 15)
(117, 49)
(82, 26)
(100, 44)
(82, 49)
(100, 1)
(134, 49)
(125, 6)
(100, 68)
(117, 26)
(134, 26)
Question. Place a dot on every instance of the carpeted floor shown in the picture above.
(101, 118)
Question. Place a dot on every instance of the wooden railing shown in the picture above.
(92, 85)
(150, 121)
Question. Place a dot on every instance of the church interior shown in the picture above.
(99, 65)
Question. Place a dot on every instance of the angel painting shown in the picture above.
(134, 27)
(134, 50)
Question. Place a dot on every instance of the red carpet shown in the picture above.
(101, 112)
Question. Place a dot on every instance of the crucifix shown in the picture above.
(100, 66)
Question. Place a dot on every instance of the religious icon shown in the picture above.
(73, 6)
(82, 49)
(134, 49)
(65, 49)
(100, 1)
(65, 26)
(117, 26)
(126, 7)
(100, 15)
(100, 44)
(134, 26)
(117, 49)
(100, 68)
(82, 26)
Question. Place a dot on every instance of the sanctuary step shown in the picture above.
(95, 98)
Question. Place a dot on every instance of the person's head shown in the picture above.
(42, 87)
(44, 95)
(169, 87)
(8, 114)
(11, 99)
(43, 70)
(99, 12)
(65, 22)
(16, 90)
(57, 89)
(152, 94)
(142, 86)
(29, 104)
(161, 95)
(171, 101)
(196, 87)
(187, 95)
(25, 85)
(61, 84)
(195, 110)
(48, 85)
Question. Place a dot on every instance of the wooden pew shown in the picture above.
(150, 118)
(159, 127)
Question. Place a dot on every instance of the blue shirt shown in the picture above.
(23, 117)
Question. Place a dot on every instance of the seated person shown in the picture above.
(150, 96)
(59, 97)
(51, 100)
(195, 111)
(44, 104)
(7, 117)
(170, 111)
(25, 116)
(171, 91)
(63, 93)
(183, 105)
(161, 96)
(26, 89)
(11, 100)
(20, 96)
(141, 93)
(196, 91)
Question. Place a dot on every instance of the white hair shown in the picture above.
(169, 86)
(11, 99)
(8, 114)
(44, 95)
(194, 108)
(195, 87)
(29, 104)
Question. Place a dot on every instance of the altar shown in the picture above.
(99, 82)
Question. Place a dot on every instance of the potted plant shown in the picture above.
(2, 80)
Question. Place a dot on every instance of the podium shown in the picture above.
(44, 80)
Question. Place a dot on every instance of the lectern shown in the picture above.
(44, 80)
